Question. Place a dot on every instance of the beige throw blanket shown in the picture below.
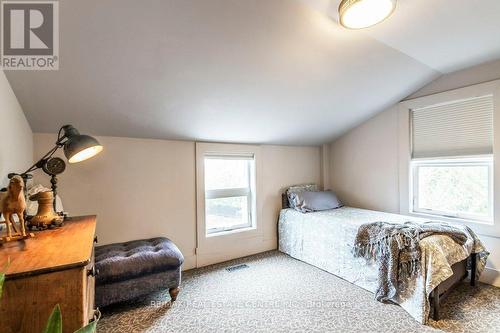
(395, 248)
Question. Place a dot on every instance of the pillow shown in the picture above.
(302, 188)
(308, 201)
(297, 189)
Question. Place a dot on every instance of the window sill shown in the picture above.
(230, 232)
(451, 219)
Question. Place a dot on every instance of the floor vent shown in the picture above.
(236, 268)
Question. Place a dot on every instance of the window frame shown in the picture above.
(404, 146)
(416, 164)
(248, 192)
(223, 246)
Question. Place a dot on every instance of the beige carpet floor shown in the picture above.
(277, 293)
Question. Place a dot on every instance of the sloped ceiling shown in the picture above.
(446, 35)
(253, 71)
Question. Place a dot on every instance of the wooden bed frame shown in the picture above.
(444, 288)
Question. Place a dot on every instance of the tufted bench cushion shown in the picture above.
(125, 261)
(135, 268)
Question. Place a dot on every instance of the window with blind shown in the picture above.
(229, 192)
(452, 162)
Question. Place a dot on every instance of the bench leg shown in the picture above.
(435, 303)
(473, 265)
(173, 293)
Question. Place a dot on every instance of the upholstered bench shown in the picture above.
(132, 269)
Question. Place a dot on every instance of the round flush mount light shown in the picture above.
(359, 14)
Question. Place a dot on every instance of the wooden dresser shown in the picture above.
(54, 267)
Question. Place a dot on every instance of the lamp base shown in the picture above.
(54, 223)
(46, 217)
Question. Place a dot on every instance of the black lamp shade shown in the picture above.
(80, 147)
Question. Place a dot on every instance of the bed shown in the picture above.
(325, 239)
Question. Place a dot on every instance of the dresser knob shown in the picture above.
(93, 271)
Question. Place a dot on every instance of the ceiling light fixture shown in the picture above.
(359, 14)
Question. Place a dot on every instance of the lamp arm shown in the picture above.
(40, 162)
(59, 144)
(25, 175)
(65, 134)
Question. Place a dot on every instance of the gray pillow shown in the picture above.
(299, 188)
(308, 201)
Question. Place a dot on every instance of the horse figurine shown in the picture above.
(14, 203)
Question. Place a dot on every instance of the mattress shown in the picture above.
(325, 239)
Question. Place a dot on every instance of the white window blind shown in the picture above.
(457, 128)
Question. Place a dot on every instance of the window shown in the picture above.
(454, 188)
(229, 192)
(452, 160)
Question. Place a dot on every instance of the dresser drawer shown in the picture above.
(28, 302)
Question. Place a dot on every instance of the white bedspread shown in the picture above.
(325, 239)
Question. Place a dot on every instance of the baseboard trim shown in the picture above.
(490, 276)
(205, 259)
(189, 263)
(241, 250)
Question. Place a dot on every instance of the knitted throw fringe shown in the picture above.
(373, 250)
(396, 250)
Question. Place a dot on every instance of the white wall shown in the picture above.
(138, 189)
(477, 74)
(364, 164)
(284, 166)
(16, 138)
(144, 188)
(364, 161)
